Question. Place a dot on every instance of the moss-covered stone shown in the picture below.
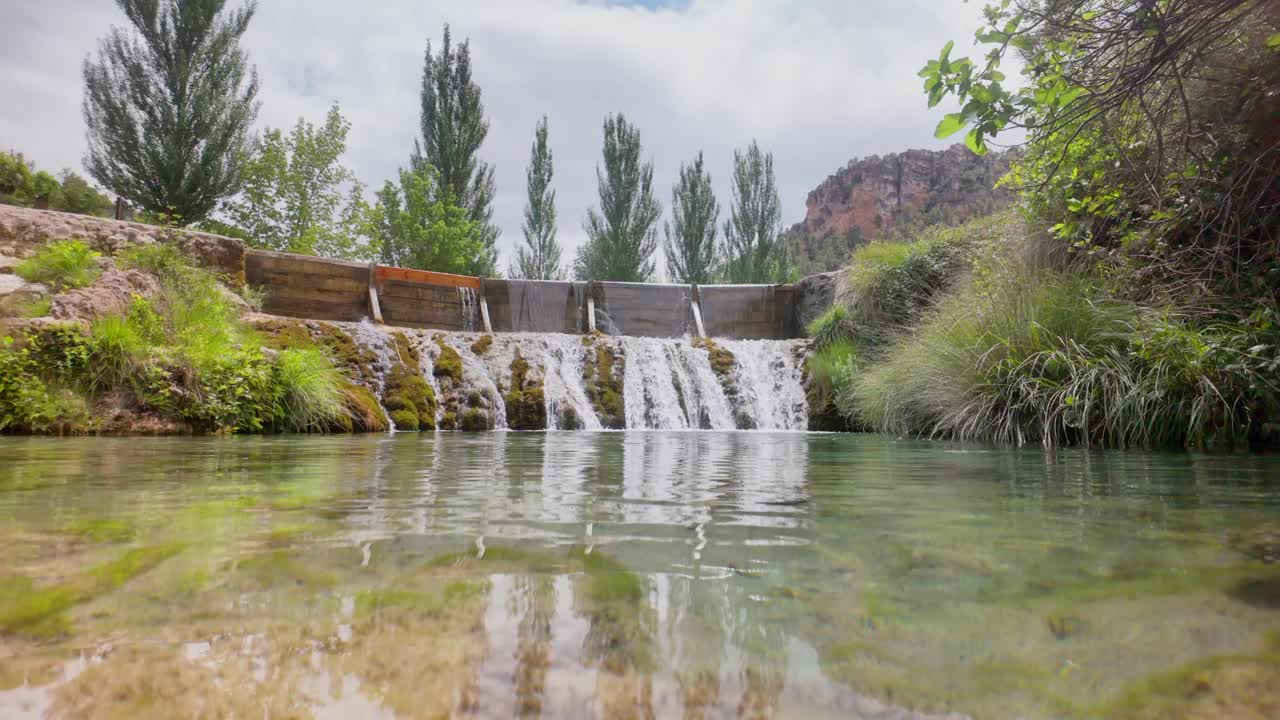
(406, 395)
(475, 420)
(449, 421)
(364, 414)
(449, 364)
(722, 360)
(526, 405)
(602, 377)
(482, 345)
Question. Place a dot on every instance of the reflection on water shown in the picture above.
(696, 575)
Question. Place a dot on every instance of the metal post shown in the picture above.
(591, 306)
(375, 308)
(484, 310)
(696, 305)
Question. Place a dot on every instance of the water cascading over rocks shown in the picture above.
(534, 381)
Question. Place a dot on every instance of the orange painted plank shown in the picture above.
(426, 276)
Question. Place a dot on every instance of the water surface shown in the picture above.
(636, 574)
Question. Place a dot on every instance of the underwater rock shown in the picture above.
(1260, 543)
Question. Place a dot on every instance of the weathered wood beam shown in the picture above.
(426, 276)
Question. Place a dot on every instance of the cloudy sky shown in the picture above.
(817, 82)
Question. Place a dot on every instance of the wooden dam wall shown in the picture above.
(323, 289)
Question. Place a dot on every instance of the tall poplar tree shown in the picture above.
(540, 260)
(622, 233)
(169, 106)
(453, 129)
(755, 252)
(693, 255)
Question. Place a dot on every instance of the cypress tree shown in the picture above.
(691, 249)
(622, 234)
(453, 129)
(756, 254)
(170, 105)
(541, 259)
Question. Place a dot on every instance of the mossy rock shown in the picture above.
(406, 392)
(482, 345)
(722, 360)
(406, 420)
(449, 421)
(602, 376)
(449, 364)
(475, 420)
(526, 404)
(568, 419)
(363, 413)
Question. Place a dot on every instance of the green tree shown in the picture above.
(78, 196)
(169, 106)
(756, 254)
(540, 260)
(414, 226)
(453, 129)
(15, 173)
(693, 254)
(44, 187)
(622, 234)
(293, 198)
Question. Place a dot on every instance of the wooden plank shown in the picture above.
(320, 282)
(427, 277)
(314, 310)
(484, 311)
(412, 291)
(374, 308)
(284, 292)
(591, 307)
(697, 311)
(301, 264)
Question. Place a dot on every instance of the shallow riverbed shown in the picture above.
(630, 574)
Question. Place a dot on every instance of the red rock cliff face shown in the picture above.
(871, 196)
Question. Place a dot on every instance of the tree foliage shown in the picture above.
(622, 233)
(756, 254)
(453, 129)
(414, 226)
(540, 259)
(169, 106)
(298, 197)
(22, 184)
(691, 247)
(1150, 129)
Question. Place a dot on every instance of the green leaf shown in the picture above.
(946, 52)
(1273, 42)
(950, 125)
(1088, 15)
(975, 142)
(1067, 97)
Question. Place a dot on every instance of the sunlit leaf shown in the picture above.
(950, 125)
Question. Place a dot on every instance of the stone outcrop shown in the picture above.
(871, 196)
(24, 230)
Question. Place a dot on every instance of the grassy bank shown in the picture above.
(178, 359)
(987, 333)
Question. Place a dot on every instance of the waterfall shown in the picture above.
(770, 381)
(562, 360)
(667, 383)
(470, 309)
(367, 335)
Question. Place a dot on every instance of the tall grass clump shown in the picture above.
(1058, 359)
(62, 265)
(893, 282)
(311, 390)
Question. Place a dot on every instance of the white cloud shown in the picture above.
(816, 81)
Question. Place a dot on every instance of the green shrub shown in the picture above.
(117, 347)
(63, 265)
(30, 404)
(894, 282)
(310, 390)
(159, 259)
(14, 173)
(830, 368)
(832, 327)
(1057, 359)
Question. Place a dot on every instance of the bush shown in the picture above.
(14, 173)
(894, 282)
(1057, 359)
(30, 404)
(63, 265)
(310, 390)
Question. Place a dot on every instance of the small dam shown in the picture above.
(324, 289)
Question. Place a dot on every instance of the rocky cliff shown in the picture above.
(870, 197)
